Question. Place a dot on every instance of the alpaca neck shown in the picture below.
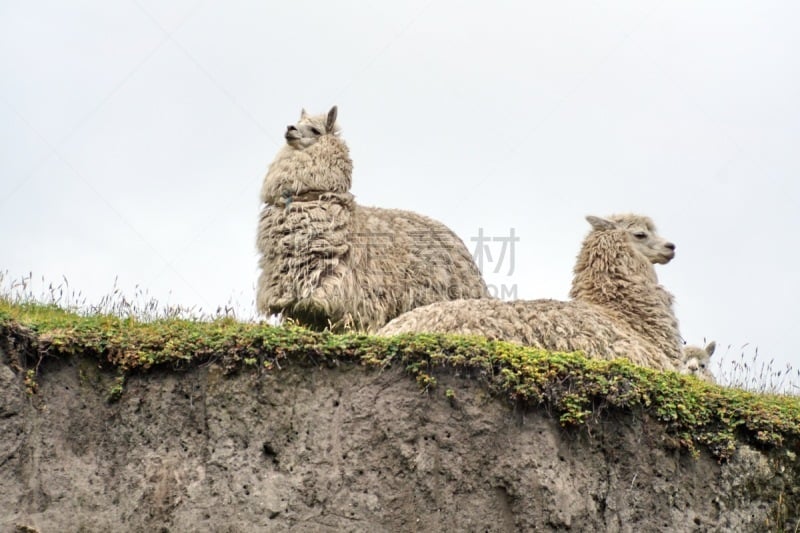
(610, 274)
(324, 167)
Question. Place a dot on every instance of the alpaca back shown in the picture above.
(577, 325)
(406, 260)
(547, 324)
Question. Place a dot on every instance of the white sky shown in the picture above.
(135, 136)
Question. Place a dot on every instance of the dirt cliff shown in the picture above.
(315, 444)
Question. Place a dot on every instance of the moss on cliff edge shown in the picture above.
(695, 414)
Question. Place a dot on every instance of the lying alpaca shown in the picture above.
(618, 309)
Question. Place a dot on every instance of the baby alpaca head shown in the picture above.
(641, 233)
(309, 129)
(697, 361)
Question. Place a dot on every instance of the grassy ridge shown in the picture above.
(695, 414)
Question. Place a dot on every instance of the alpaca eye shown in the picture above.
(315, 131)
(640, 235)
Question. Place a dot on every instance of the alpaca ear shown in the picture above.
(303, 113)
(331, 119)
(600, 223)
(711, 347)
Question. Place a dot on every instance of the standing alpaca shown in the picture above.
(327, 261)
(697, 361)
(618, 309)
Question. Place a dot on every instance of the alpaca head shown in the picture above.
(309, 129)
(313, 161)
(641, 234)
(696, 361)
